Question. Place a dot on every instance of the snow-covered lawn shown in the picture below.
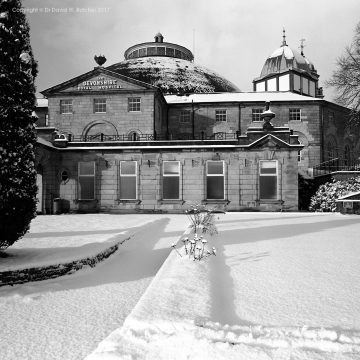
(282, 286)
(65, 318)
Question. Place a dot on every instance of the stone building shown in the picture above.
(130, 138)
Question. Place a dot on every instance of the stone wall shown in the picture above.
(116, 121)
(241, 180)
(204, 119)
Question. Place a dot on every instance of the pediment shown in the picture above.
(99, 79)
(269, 141)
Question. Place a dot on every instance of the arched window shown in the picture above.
(133, 136)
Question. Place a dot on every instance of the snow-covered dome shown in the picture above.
(170, 67)
(285, 58)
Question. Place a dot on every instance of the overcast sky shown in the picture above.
(231, 37)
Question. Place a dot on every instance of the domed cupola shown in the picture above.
(170, 67)
(288, 70)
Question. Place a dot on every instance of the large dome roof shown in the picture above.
(173, 75)
(285, 58)
(170, 67)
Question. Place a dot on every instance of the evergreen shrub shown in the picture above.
(325, 198)
(17, 132)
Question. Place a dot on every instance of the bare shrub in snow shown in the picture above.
(202, 221)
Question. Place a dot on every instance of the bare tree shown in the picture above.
(346, 79)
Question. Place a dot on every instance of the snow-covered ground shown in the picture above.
(282, 286)
(65, 318)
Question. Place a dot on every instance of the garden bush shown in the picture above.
(325, 197)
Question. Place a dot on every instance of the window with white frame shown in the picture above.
(220, 115)
(99, 105)
(185, 117)
(256, 114)
(134, 104)
(171, 180)
(215, 180)
(86, 180)
(66, 106)
(128, 180)
(268, 180)
(299, 156)
(295, 114)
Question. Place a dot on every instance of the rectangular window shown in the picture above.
(66, 106)
(312, 88)
(260, 86)
(271, 85)
(134, 104)
(151, 51)
(297, 83)
(161, 51)
(86, 178)
(295, 114)
(284, 82)
(215, 180)
(171, 180)
(256, 114)
(128, 180)
(99, 105)
(185, 117)
(142, 52)
(268, 180)
(170, 52)
(305, 85)
(220, 115)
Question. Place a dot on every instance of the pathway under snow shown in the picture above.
(65, 318)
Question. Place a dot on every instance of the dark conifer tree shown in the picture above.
(17, 133)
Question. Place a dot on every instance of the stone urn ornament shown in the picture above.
(267, 115)
(100, 60)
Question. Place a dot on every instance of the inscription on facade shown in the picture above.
(100, 83)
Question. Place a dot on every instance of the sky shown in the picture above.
(230, 37)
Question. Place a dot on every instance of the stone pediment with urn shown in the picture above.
(98, 80)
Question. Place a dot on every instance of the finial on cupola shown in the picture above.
(284, 39)
(159, 38)
(302, 46)
(100, 60)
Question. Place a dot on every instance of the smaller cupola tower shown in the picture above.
(159, 38)
(288, 70)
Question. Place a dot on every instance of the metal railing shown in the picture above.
(336, 164)
(151, 137)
